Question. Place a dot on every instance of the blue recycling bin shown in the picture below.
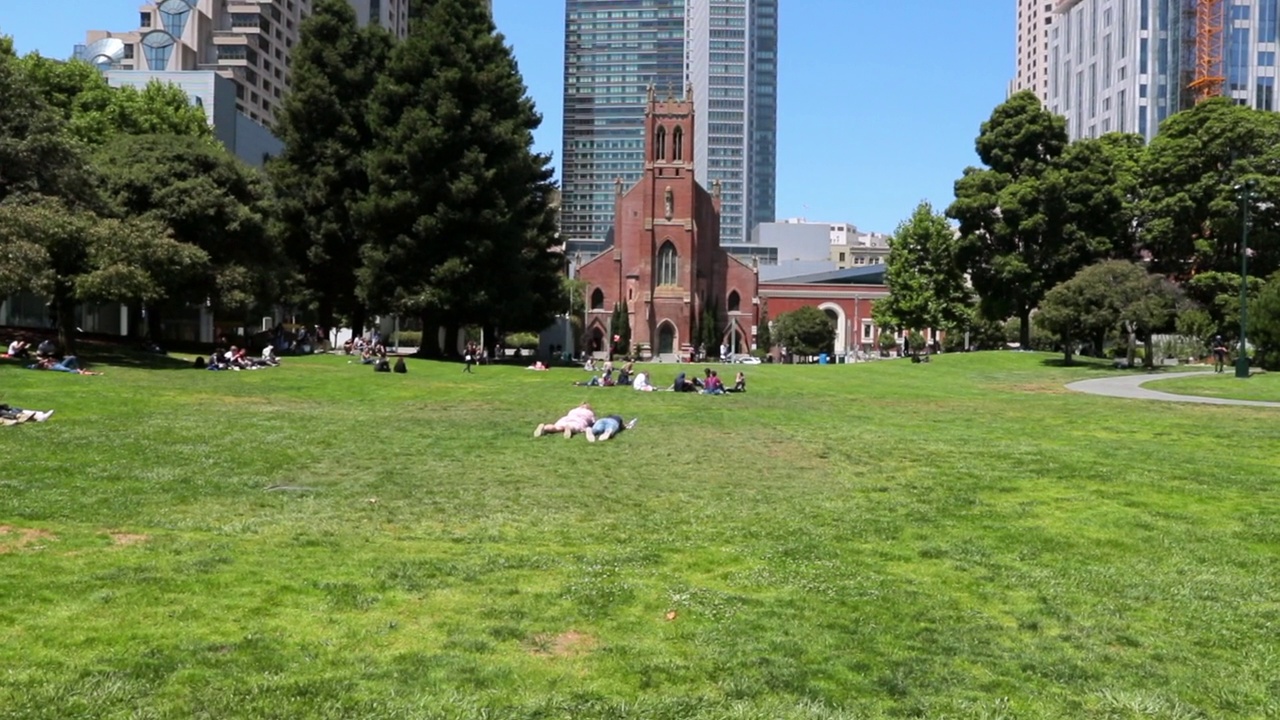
(822, 358)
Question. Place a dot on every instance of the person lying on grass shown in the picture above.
(575, 421)
(69, 364)
(607, 427)
(10, 415)
(603, 380)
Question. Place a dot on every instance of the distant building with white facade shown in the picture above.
(1032, 63)
(1126, 65)
(797, 246)
(853, 248)
(216, 95)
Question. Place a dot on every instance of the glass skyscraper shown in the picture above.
(1126, 65)
(614, 49)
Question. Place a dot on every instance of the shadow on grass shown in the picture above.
(123, 357)
(1077, 362)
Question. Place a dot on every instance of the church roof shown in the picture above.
(863, 275)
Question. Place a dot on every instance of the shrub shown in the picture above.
(524, 340)
(409, 338)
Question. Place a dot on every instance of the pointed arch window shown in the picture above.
(677, 144)
(735, 302)
(597, 299)
(660, 144)
(668, 264)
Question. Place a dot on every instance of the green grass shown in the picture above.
(962, 539)
(1265, 387)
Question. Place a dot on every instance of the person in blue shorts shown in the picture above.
(608, 426)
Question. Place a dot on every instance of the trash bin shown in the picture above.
(822, 358)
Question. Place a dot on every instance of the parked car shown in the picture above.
(745, 359)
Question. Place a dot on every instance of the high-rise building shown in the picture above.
(245, 41)
(613, 51)
(1126, 65)
(725, 51)
(732, 64)
(1034, 19)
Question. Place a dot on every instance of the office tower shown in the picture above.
(1126, 65)
(614, 50)
(245, 41)
(724, 50)
(732, 62)
(1034, 19)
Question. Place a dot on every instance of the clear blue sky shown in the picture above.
(879, 101)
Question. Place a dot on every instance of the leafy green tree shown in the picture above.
(1191, 206)
(1264, 327)
(321, 176)
(805, 331)
(459, 212)
(36, 157)
(1038, 212)
(1103, 297)
(927, 288)
(621, 328)
(1218, 293)
(205, 198)
(71, 255)
(95, 112)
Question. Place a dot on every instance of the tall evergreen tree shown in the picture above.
(321, 176)
(459, 206)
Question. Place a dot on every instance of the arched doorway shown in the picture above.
(836, 313)
(597, 339)
(666, 338)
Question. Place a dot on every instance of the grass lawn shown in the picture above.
(962, 539)
(1264, 387)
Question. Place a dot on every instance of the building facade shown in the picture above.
(1126, 65)
(216, 95)
(732, 64)
(667, 264)
(245, 41)
(615, 49)
(1032, 63)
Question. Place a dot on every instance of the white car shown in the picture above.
(744, 359)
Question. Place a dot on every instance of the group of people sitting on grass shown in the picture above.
(711, 384)
(582, 420)
(47, 358)
(237, 358)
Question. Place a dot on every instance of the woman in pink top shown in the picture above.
(575, 421)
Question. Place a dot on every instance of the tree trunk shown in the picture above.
(430, 346)
(1024, 328)
(64, 314)
(1067, 344)
(358, 318)
(1149, 361)
(1132, 351)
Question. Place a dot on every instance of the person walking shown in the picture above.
(1219, 354)
(469, 358)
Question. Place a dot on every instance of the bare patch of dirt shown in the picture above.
(566, 644)
(129, 538)
(14, 538)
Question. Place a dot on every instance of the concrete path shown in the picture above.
(1130, 386)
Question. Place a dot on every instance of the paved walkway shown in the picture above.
(1130, 386)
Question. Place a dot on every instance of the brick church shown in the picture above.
(666, 261)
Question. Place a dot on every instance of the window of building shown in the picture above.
(668, 265)
(157, 47)
(735, 302)
(677, 142)
(174, 14)
(144, 19)
(597, 299)
(660, 144)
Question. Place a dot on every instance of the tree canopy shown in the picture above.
(927, 287)
(805, 331)
(1102, 298)
(459, 206)
(321, 177)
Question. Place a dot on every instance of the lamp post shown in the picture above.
(1246, 199)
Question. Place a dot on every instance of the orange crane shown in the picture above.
(1208, 79)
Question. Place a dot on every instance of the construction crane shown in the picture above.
(1210, 20)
